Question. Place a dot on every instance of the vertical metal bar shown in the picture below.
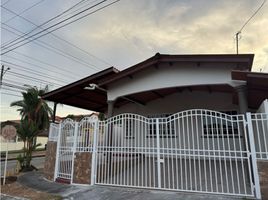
(204, 148)
(213, 121)
(158, 153)
(235, 155)
(229, 153)
(209, 115)
(253, 157)
(193, 149)
(74, 149)
(57, 154)
(258, 135)
(172, 137)
(188, 149)
(198, 148)
(263, 134)
(150, 147)
(241, 154)
(148, 127)
(184, 151)
(219, 152)
(176, 122)
(180, 152)
(94, 152)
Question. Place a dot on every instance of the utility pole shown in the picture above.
(3, 71)
(237, 40)
(2, 74)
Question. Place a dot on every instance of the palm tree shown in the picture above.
(27, 132)
(33, 108)
(35, 114)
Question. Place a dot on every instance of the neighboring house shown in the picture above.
(174, 122)
(78, 117)
(17, 143)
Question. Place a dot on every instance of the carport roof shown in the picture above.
(257, 86)
(75, 95)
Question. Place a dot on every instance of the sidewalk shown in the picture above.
(13, 156)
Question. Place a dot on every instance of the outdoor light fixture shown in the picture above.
(93, 86)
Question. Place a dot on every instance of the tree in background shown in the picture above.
(35, 114)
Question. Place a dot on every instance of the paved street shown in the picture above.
(11, 164)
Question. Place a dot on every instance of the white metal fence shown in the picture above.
(194, 150)
(260, 130)
(65, 150)
(53, 132)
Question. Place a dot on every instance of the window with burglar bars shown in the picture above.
(215, 127)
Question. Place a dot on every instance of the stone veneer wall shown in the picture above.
(263, 174)
(82, 167)
(50, 160)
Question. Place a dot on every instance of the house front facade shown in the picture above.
(174, 122)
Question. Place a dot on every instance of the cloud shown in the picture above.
(141, 29)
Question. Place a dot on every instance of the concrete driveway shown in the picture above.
(72, 192)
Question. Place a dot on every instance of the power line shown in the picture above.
(38, 66)
(58, 27)
(45, 63)
(33, 78)
(6, 2)
(31, 71)
(6, 93)
(264, 1)
(9, 89)
(14, 86)
(25, 10)
(65, 41)
(11, 82)
(14, 42)
(16, 82)
(57, 50)
(39, 26)
(243, 26)
(35, 59)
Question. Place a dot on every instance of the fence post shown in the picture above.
(94, 151)
(253, 157)
(158, 153)
(74, 149)
(57, 153)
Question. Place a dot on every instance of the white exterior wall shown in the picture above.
(182, 101)
(12, 146)
(165, 76)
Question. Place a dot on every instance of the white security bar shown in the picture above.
(260, 130)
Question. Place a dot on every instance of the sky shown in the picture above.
(120, 35)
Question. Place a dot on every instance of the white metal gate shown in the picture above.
(65, 150)
(195, 150)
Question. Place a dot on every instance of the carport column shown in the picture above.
(110, 108)
(110, 135)
(242, 98)
(54, 111)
